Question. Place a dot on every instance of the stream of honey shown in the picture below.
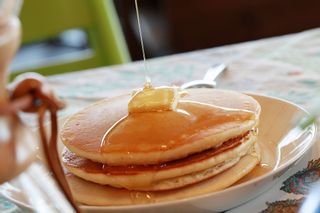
(146, 69)
(148, 130)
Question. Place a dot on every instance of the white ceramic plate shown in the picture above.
(281, 145)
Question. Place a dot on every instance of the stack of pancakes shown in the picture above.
(212, 133)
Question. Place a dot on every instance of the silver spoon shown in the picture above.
(209, 80)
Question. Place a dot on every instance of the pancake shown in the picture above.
(205, 142)
(90, 193)
(164, 176)
(154, 138)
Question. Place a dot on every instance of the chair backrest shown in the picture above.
(44, 19)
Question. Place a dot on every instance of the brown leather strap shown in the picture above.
(31, 95)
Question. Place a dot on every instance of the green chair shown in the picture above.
(45, 19)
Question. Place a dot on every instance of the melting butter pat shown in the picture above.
(152, 99)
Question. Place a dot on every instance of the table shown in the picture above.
(286, 67)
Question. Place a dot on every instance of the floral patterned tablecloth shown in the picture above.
(286, 67)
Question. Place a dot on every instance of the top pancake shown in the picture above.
(156, 137)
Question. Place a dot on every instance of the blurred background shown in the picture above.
(58, 34)
(173, 26)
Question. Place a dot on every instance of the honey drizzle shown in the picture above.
(132, 143)
(160, 131)
(146, 69)
(93, 167)
(259, 170)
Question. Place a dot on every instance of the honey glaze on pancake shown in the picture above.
(89, 166)
(164, 130)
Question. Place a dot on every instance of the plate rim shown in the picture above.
(312, 129)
